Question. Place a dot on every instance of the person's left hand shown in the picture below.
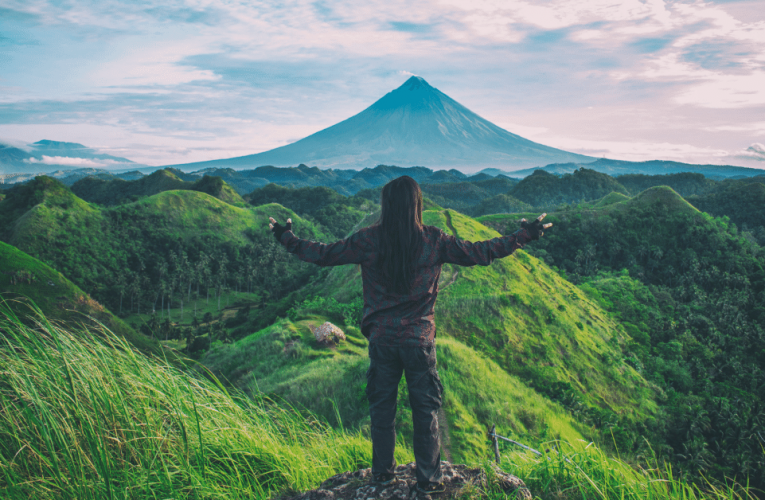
(278, 229)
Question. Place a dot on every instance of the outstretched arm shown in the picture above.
(347, 251)
(465, 253)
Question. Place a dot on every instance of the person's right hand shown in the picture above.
(536, 228)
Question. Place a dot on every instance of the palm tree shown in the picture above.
(161, 271)
(121, 284)
(614, 251)
(642, 250)
(162, 291)
(657, 253)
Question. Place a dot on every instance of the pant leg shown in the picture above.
(425, 397)
(383, 376)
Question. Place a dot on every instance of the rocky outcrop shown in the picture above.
(328, 334)
(459, 480)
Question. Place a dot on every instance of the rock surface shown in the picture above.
(328, 334)
(458, 480)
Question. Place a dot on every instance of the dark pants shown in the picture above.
(425, 391)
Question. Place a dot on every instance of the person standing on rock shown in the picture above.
(401, 262)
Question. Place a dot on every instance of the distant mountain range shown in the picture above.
(416, 124)
(346, 182)
(48, 156)
(615, 168)
(350, 182)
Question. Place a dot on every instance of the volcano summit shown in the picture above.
(416, 124)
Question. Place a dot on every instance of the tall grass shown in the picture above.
(83, 415)
(587, 472)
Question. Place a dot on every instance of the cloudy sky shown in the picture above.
(189, 80)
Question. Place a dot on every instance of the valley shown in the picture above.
(636, 324)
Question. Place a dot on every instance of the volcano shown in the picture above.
(416, 124)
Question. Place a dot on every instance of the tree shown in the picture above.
(121, 286)
(161, 271)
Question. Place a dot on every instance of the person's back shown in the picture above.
(393, 318)
(400, 265)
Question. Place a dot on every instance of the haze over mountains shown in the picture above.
(416, 124)
(47, 156)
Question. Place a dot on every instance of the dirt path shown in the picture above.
(454, 278)
(449, 223)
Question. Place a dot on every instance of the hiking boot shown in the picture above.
(424, 490)
(383, 478)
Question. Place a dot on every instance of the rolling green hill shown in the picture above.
(325, 206)
(538, 326)
(636, 322)
(501, 203)
(689, 289)
(118, 191)
(742, 202)
(686, 183)
(175, 246)
(285, 362)
(510, 335)
(23, 278)
(88, 417)
(611, 198)
(542, 189)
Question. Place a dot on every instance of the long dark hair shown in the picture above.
(400, 233)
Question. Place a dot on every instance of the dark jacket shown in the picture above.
(393, 319)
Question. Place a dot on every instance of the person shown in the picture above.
(401, 262)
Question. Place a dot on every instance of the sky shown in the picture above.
(180, 81)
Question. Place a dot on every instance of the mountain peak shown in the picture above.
(414, 83)
(415, 124)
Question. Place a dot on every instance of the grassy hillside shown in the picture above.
(610, 199)
(539, 327)
(501, 203)
(322, 205)
(742, 202)
(689, 289)
(284, 361)
(516, 320)
(170, 248)
(23, 277)
(217, 187)
(686, 183)
(88, 417)
(117, 191)
(542, 189)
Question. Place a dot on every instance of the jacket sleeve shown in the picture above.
(347, 251)
(465, 253)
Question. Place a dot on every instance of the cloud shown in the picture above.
(754, 152)
(726, 91)
(76, 162)
(200, 78)
(754, 128)
(638, 150)
(15, 143)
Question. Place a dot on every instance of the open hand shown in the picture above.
(536, 228)
(278, 229)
